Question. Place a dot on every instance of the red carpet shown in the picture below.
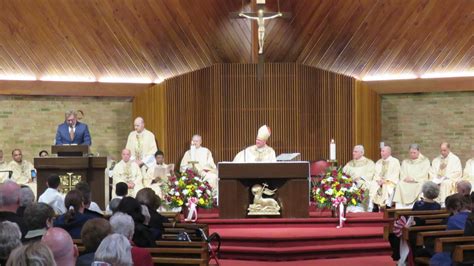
(311, 241)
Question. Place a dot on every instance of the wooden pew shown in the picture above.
(430, 219)
(172, 230)
(427, 240)
(464, 254)
(173, 217)
(180, 252)
(396, 213)
(410, 232)
(447, 244)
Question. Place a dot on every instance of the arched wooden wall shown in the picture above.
(226, 104)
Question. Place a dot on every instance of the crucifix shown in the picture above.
(260, 17)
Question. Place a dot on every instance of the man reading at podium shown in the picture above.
(142, 144)
(128, 172)
(73, 131)
(260, 152)
(158, 174)
(200, 160)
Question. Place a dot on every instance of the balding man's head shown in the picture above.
(60, 243)
(9, 196)
(444, 149)
(385, 152)
(126, 154)
(464, 187)
(139, 124)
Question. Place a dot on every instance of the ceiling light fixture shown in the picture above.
(125, 80)
(67, 78)
(390, 77)
(17, 77)
(435, 75)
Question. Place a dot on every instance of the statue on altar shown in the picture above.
(261, 205)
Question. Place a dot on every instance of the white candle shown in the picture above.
(332, 150)
(193, 153)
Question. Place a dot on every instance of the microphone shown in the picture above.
(112, 165)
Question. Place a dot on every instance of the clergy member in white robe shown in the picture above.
(129, 172)
(413, 174)
(3, 167)
(200, 160)
(446, 170)
(386, 178)
(260, 152)
(22, 171)
(142, 144)
(360, 168)
(158, 174)
(468, 171)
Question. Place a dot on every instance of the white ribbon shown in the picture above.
(341, 216)
(192, 211)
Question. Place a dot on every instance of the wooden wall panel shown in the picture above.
(368, 119)
(226, 104)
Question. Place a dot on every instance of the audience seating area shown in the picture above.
(433, 235)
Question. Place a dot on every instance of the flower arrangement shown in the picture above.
(334, 188)
(186, 186)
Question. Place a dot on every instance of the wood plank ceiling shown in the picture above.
(153, 39)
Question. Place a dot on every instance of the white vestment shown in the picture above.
(253, 154)
(128, 172)
(22, 174)
(409, 192)
(150, 181)
(3, 167)
(362, 170)
(469, 171)
(142, 146)
(204, 164)
(389, 171)
(446, 172)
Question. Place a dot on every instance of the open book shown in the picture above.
(162, 172)
(288, 156)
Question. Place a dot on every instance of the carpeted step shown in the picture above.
(382, 260)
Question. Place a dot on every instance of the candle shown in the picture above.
(332, 150)
(382, 144)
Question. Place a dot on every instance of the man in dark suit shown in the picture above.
(72, 131)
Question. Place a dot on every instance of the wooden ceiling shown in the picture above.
(153, 39)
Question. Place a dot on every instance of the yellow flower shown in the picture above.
(354, 201)
(180, 202)
(201, 201)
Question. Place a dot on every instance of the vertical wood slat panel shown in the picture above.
(226, 104)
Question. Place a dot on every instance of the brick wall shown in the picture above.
(429, 119)
(30, 122)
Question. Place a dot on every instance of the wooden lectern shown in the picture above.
(291, 179)
(73, 164)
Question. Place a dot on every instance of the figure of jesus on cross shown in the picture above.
(260, 17)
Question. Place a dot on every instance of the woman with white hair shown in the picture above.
(114, 249)
(123, 224)
(27, 197)
(10, 238)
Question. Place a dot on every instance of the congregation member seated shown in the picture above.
(460, 207)
(123, 224)
(430, 192)
(469, 227)
(115, 249)
(38, 218)
(10, 238)
(73, 220)
(464, 187)
(147, 197)
(143, 235)
(27, 197)
(9, 203)
(60, 243)
(93, 232)
(52, 197)
(113, 205)
(121, 190)
(34, 253)
(90, 206)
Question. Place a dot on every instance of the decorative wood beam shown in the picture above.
(13, 87)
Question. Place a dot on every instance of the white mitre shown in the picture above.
(263, 133)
